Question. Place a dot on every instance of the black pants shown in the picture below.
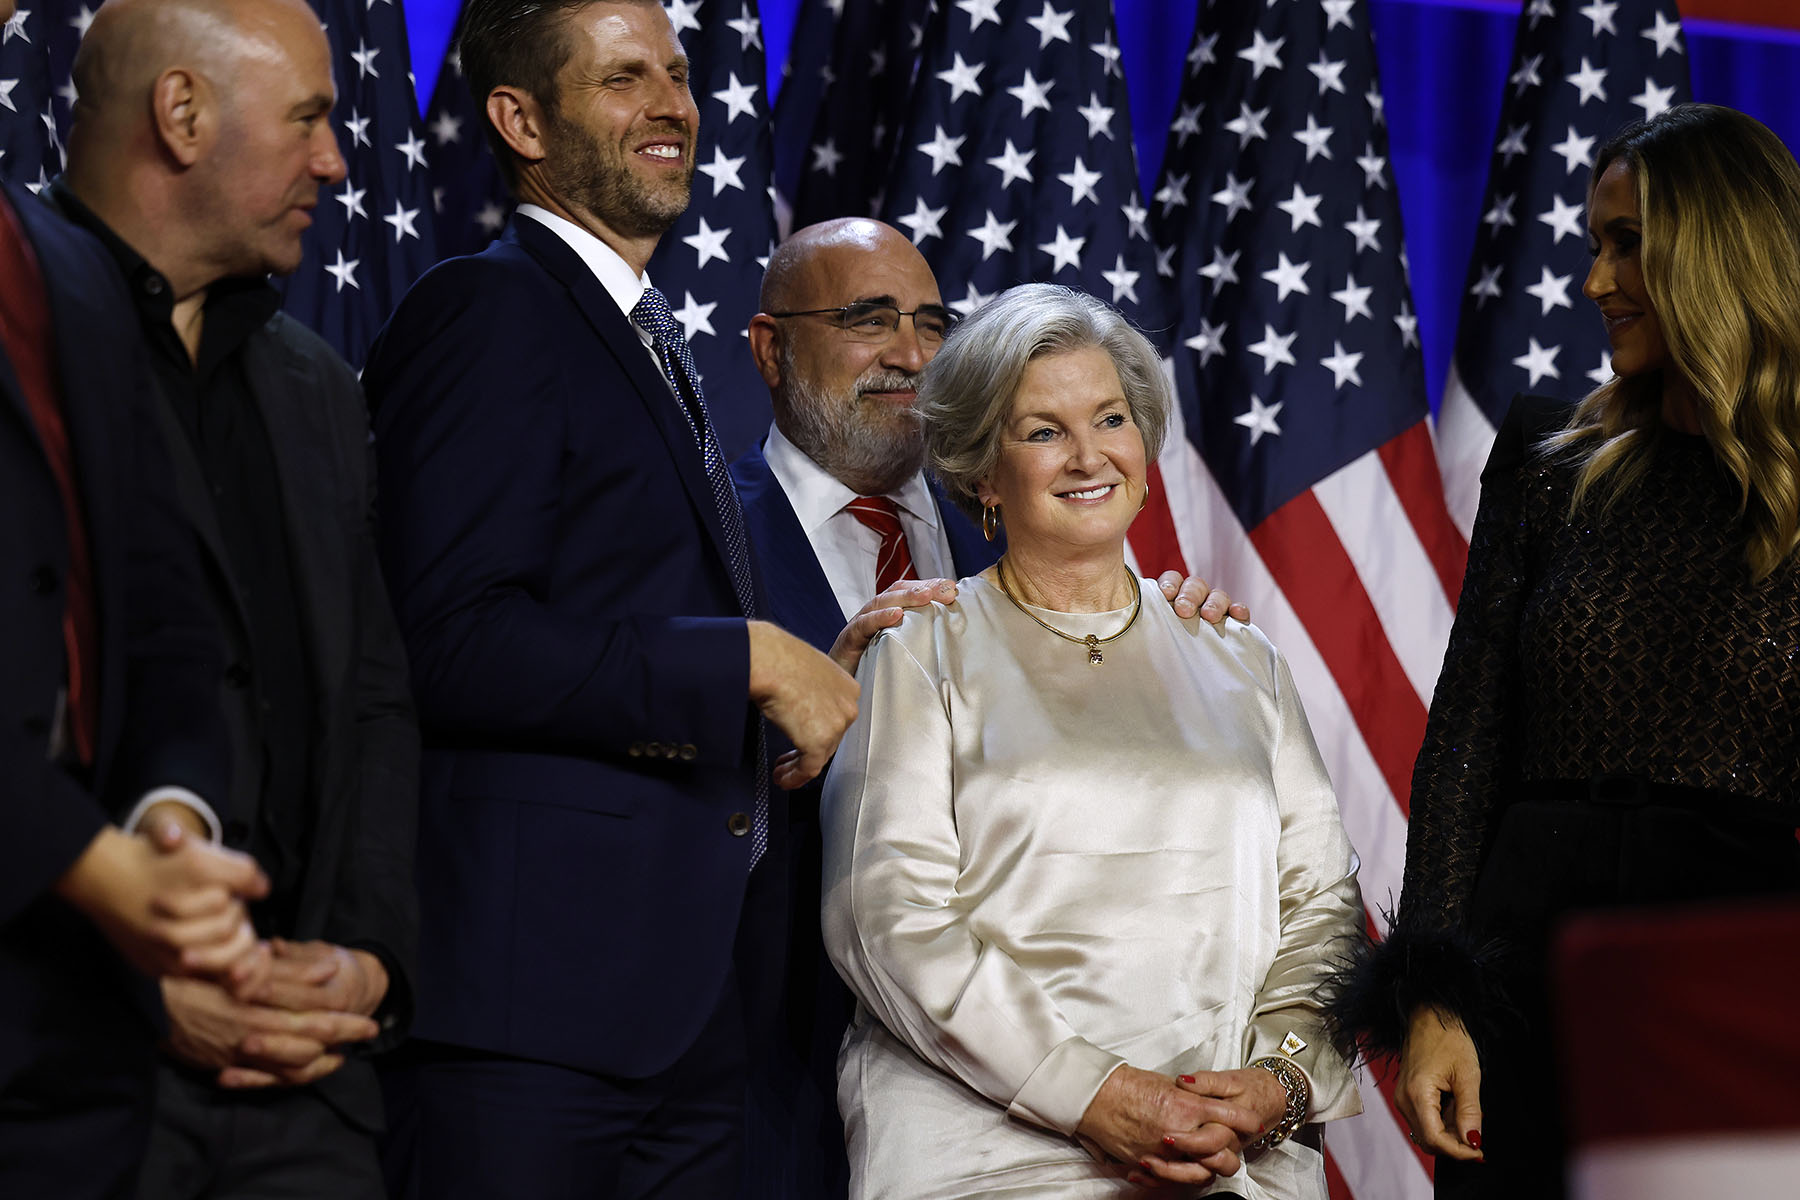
(1562, 853)
(489, 1127)
(208, 1143)
(73, 1125)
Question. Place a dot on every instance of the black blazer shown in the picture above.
(581, 665)
(357, 887)
(159, 664)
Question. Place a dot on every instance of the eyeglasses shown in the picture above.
(866, 321)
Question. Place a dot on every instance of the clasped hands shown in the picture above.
(1188, 1129)
(259, 1013)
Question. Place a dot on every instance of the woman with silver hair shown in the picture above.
(1084, 868)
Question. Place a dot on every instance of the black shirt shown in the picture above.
(214, 397)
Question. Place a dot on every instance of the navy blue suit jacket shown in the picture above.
(63, 991)
(795, 1150)
(580, 662)
(800, 599)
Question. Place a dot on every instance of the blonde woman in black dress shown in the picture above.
(1594, 739)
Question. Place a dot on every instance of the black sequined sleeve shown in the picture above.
(1461, 775)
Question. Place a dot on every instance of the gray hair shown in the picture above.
(968, 388)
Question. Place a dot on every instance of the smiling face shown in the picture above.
(1616, 280)
(1072, 467)
(851, 405)
(620, 138)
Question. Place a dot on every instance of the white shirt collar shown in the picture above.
(624, 285)
(817, 495)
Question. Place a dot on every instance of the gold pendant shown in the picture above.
(1093, 645)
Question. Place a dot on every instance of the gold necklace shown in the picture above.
(1091, 641)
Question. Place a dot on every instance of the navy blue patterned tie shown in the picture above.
(651, 314)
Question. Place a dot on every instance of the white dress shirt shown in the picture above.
(845, 547)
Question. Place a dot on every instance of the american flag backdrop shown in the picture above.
(1016, 165)
(37, 48)
(710, 264)
(857, 58)
(469, 200)
(374, 235)
(1579, 73)
(1309, 484)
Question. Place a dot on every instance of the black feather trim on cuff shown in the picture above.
(1374, 995)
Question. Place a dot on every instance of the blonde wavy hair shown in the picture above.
(1719, 199)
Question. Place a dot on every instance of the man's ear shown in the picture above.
(765, 348)
(520, 121)
(185, 112)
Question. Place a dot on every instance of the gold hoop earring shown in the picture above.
(1146, 500)
(990, 521)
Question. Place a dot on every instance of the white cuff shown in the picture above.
(215, 832)
(1060, 1088)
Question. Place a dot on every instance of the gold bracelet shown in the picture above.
(1299, 1100)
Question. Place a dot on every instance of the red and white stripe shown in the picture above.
(1356, 581)
(1464, 438)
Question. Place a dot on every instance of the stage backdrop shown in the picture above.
(1443, 68)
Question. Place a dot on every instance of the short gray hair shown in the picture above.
(968, 388)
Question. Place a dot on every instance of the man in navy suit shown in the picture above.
(600, 856)
(840, 509)
(106, 705)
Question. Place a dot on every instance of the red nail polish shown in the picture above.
(1168, 1139)
(1475, 1138)
(1145, 1168)
(1186, 1078)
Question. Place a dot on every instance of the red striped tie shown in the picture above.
(895, 558)
(25, 331)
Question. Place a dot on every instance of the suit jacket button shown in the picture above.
(688, 753)
(653, 749)
(636, 750)
(43, 580)
(738, 823)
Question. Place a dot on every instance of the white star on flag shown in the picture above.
(1052, 26)
(1539, 362)
(924, 221)
(1304, 209)
(708, 244)
(1209, 341)
(723, 171)
(402, 219)
(1288, 277)
(1564, 219)
(1342, 366)
(1013, 164)
(1123, 281)
(1031, 94)
(739, 99)
(1262, 54)
(1261, 418)
(1552, 291)
(993, 235)
(1064, 251)
(1081, 183)
(344, 271)
(695, 317)
(964, 80)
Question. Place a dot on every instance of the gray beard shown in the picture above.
(869, 456)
